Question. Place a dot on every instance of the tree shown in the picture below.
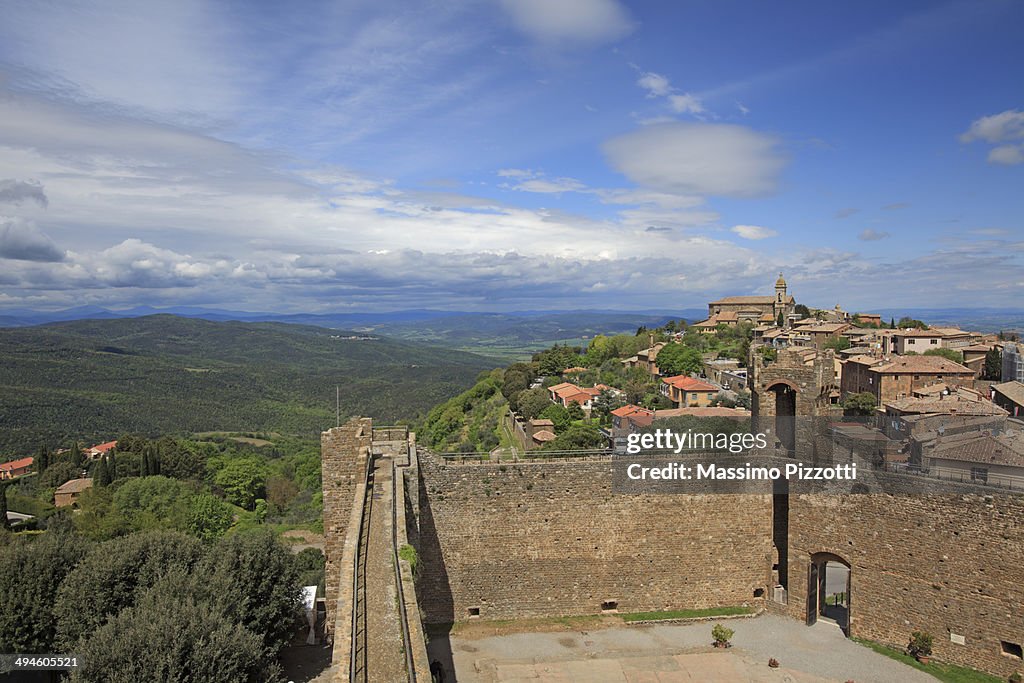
(892, 323)
(113, 575)
(558, 415)
(837, 344)
(31, 573)
(100, 475)
(533, 401)
(679, 359)
(254, 580)
(4, 522)
(577, 437)
(802, 310)
(57, 474)
(863, 403)
(43, 459)
(171, 637)
(993, 365)
(243, 480)
(949, 354)
(280, 492)
(209, 517)
(780, 320)
(906, 322)
(154, 503)
(575, 411)
(604, 403)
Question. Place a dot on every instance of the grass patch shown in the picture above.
(950, 673)
(408, 553)
(687, 614)
(535, 624)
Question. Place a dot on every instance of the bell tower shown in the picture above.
(780, 297)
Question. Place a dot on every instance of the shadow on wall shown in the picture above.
(432, 588)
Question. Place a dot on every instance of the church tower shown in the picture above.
(781, 300)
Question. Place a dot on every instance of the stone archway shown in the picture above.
(829, 580)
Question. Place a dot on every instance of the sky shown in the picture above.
(498, 155)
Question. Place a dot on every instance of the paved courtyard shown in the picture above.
(670, 653)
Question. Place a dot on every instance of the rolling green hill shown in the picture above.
(94, 379)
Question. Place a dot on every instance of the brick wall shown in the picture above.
(543, 539)
(941, 562)
(343, 452)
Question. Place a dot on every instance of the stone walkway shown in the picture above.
(386, 659)
(672, 653)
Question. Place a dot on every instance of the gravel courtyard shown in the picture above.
(670, 653)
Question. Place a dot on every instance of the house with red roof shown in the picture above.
(102, 449)
(16, 468)
(689, 392)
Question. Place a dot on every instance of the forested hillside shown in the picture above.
(90, 380)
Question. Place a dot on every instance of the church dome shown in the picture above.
(780, 282)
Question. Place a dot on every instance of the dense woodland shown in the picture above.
(92, 380)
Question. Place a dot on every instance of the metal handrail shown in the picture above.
(402, 613)
(356, 602)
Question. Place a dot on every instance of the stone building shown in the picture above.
(754, 309)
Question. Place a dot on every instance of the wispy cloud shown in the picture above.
(871, 235)
(847, 212)
(695, 158)
(586, 22)
(658, 86)
(754, 232)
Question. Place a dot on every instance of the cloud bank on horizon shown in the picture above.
(514, 154)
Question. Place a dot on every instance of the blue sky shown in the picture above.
(510, 154)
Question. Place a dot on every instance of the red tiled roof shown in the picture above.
(628, 409)
(74, 486)
(544, 435)
(716, 411)
(16, 464)
(924, 365)
(104, 447)
(686, 383)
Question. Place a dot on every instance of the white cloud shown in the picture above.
(1008, 155)
(574, 21)
(656, 85)
(698, 158)
(1007, 125)
(754, 232)
(1004, 127)
(686, 104)
(871, 235)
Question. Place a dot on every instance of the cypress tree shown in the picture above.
(100, 476)
(892, 323)
(43, 459)
(154, 459)
(4, 522)
(145, 462)
(112, 466)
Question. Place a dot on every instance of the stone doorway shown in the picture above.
(828, 590)
(785, 415)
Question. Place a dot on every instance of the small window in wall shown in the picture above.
(758, 592)
(935, 341)
(609, 606)
(474, 611)
(1011, 649)
(979, 474)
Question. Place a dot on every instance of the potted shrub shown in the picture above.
(722, 635)
(920, 647)
(773, 663)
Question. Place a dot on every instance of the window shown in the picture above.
(911, 341)
(934, 342)
(474, 611)
(980, 474)
(1011, 649)
(609, 606)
